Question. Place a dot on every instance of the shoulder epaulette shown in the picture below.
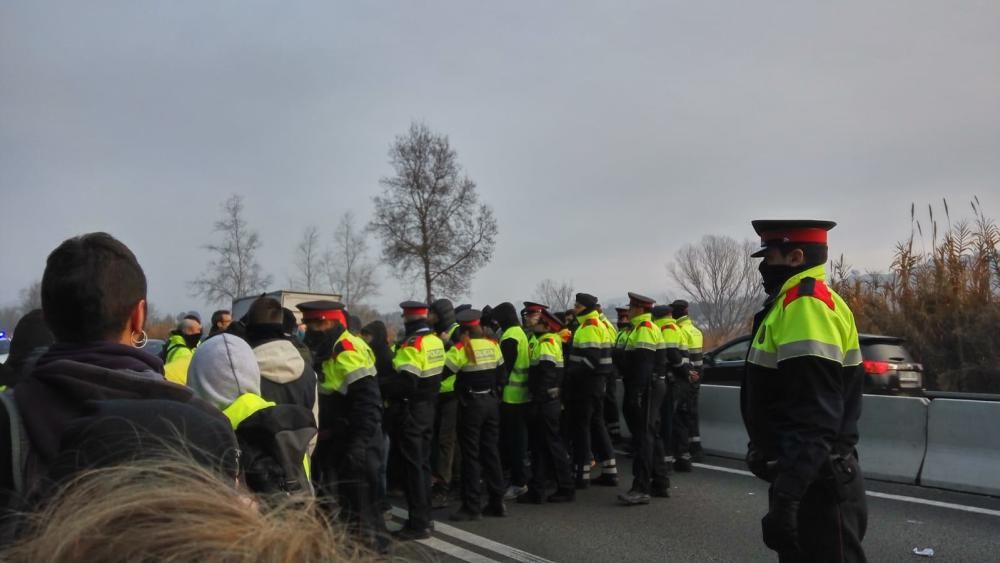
(459, 345)
(646, 324)
(810, 287)
(415, 341)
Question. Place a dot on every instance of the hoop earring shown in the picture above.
(141, 341)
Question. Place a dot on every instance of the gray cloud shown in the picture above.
(605, 136)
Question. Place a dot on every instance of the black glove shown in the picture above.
(781, 524)
(759, 465)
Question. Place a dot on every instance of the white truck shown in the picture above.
(288, 299)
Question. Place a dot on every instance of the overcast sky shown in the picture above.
(604, 134)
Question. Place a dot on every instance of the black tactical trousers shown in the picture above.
(445, 438)
(642, 411)
(357, 486)
(832, 524)
(585, 406)
(411, 431)
(548, 452)
(514, 441)
(611, 419)
(683, 396)
(478, 437)
(667, 422)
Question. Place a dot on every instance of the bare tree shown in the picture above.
(557, 295)
(308, 260)
(719, 274)
(234, 271)
(346, 265)
(429, 217)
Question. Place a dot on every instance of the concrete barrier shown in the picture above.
(893, 437)
(722, 430)
(963, 446)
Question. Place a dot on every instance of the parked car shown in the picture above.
(889, 366)
(4, 348)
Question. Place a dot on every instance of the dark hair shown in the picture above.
(814, 254)
(90, 285)
(265, 311)
(217, 316)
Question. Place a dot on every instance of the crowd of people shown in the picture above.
(279, 436)
(494, 404)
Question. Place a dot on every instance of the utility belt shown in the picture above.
(478, 392)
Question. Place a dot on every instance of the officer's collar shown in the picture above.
(636, 320)
(816, 272)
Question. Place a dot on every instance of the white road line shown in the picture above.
(455, 551)
(901, 498)
(479, 541)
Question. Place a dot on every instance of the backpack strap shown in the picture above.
(19, 444)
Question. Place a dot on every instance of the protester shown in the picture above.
(273, 438)
(286, 371)
(221, 320)
(94, 302)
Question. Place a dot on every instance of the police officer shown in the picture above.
(548, 452)
(419, 362)
(694, 341)
(589, 363)
(611, 417)
(644, 392)
(684, 392)
(801, 399)
(675, 367)
(477, 364)
(441, 317)
(349, 450)
(515, 401)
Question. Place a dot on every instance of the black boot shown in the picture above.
(496, 508)
(465, 514)
(563, 495)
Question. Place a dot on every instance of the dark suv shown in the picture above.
(889, 366)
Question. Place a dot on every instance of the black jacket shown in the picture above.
(286, 372)
(799, 414)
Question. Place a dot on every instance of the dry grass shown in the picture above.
(943, 294)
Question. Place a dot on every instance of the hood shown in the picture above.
(445, 312)
(120, 431)
(505, 314)
(222, 369)
(279, 361)
(109, 355)
(57, 391)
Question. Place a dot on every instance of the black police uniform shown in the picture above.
(478, 425)
(410, 406)
(802, 419)
(645, 389)
(549, 454)
(349, 449)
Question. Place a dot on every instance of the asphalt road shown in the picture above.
(713, 515)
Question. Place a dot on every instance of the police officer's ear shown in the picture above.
(795, 257)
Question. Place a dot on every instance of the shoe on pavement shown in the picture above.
(563, 495)
(606, 480)
(465, 515)
(582, 484)
(634, 497)
(409, 534)
(441, 499)
(515, 491)
(683, 465)
(661, 493)
(530, 497)
(496, 509)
